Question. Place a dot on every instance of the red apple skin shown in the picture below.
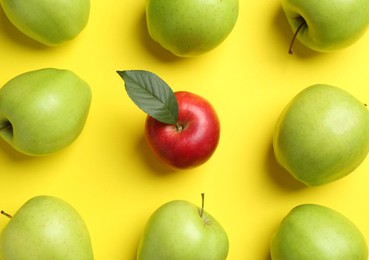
(193, 140)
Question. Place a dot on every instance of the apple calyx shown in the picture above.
(6, 214)
(5, 126)
(302, 24)
(152, 95)
(179, 127)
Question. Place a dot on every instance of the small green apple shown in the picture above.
(46, 228)
(181, 230)
(43, 111)
(322, 135)
(315, 232)
(191, 27)
(48, 22)
(323, 25)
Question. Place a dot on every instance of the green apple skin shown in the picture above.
(192, 27)
(322, 135)
(329, 25)
(45, 228)
(311, 231)
(43, 111)
(176, 231)
(48, 22)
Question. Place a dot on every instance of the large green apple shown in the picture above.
(179, 230)
(191, 27)
(327, 25)
(315, 232)
(43, 111)
(322, 135)
(46, 228)
(48, 22)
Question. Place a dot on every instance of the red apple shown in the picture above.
(190, 142)
(182, 128)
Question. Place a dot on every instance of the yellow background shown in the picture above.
(109, 175)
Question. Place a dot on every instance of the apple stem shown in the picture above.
(202, 204)
(179, 127)
(6, 214)
(303, 23)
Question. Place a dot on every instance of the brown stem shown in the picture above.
(202, 204)
(303, 23)
(179, 127)
(6, 214)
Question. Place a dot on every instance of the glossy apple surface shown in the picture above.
(328, 25)
(311, 231)
(191, 27)
(48, 22)
(46, 228)
(43, 111)
(322, 135)
(176, 231)
(193, 140)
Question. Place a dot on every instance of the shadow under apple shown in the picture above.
(17, 36)
(151, 160)
(268, 257)
(279, 175)
(153, 47)
(13, 155)
(136, 239)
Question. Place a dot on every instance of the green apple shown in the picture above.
(191, 27)
(322, 135)
(48, 22)
(43, 111)
(181, 230)
(46, 228)
(323, 25)
(315, 232)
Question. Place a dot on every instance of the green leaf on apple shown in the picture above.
(151, 94)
